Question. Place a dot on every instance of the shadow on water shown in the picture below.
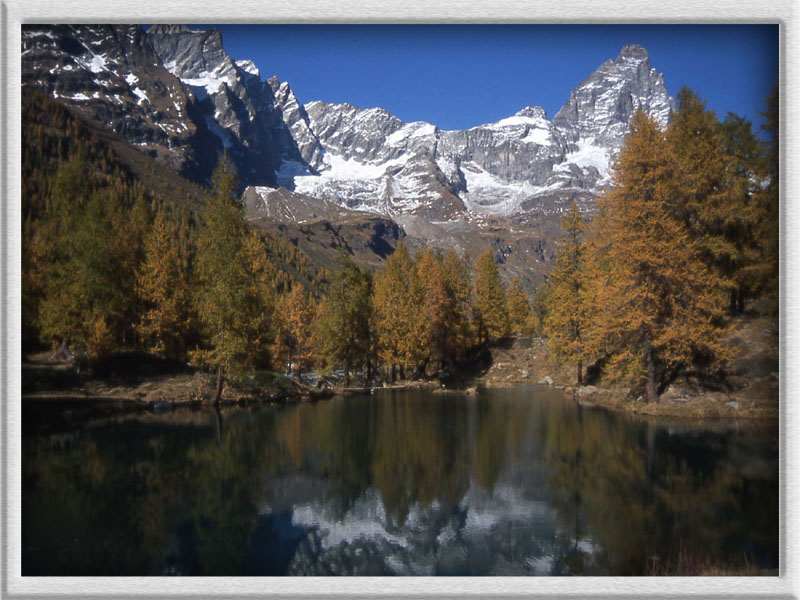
(405, 482)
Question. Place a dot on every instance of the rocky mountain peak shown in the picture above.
(633, 52)
(534, 112)
(601, 107)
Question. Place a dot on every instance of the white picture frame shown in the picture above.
(18, 12)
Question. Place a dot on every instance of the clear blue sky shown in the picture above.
(459, 76)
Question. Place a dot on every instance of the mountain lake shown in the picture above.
(522, 481)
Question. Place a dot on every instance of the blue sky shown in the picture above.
(459, 76)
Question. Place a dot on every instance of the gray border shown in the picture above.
(15, 12)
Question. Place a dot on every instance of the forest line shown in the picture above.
(687, 235)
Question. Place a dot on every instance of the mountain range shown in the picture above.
(176, 95)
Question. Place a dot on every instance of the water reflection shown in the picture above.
(510, 482)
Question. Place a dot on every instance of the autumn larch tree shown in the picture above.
(569, 307)
(489, 309)
(768, 202)
(163, 286)
(436, 310)
(744, 172)
(396, 301)
(520, 315)
(659, 300)
(294, 317)
(704, 192)
(342, 333)
(230, 301)
(458, 283)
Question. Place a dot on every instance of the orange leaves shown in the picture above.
(659, 302)
(294, 315)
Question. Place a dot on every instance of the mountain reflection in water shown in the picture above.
(513, 482)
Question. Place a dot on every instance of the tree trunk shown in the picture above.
(220, 383)
(580, 373)
(347, 373)
(394, 372)
(651, 371)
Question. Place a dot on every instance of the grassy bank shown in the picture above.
(748, 388)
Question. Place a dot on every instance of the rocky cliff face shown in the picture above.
(601, 107)
(178, 95)
(367, 159)
(113, 75)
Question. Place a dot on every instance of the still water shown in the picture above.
(512, 482)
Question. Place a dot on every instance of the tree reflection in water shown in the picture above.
(510, 482)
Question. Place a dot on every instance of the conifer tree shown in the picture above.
(660, 301)
(294, 317)
(163, 286)
(768, 202)
(437, 309)
(491, 316)
(230, 302)
(396, 302)
(701, 193)
(520, 314)
(457, 282)
(744, 169)
(569, 309)
(342, 333)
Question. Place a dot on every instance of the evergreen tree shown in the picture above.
(519, 310)
(768, 203)
(230, 301)
(569, 308)
(744, 169)
(294, 319)
(397, 298)
(457, 282)
(489, 310)
(436, 311)
(660, 301)
(701, 193)
(163, 286)
(342, 333)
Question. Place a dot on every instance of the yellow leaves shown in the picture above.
(162, 286)
(100, 341)
(570, 303)
(652, 288)
(294, 316)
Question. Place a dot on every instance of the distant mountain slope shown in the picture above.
(337, 172)
(177, 94)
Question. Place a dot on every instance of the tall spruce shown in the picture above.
(744, 171)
